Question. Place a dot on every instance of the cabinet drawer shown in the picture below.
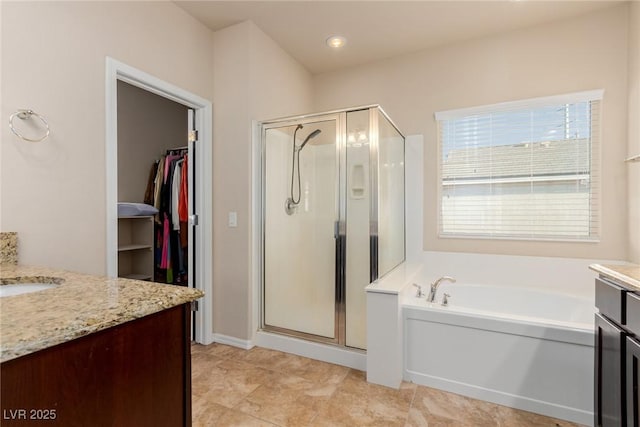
(611, 301)
(633, 313)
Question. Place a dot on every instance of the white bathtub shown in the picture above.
(522, 348)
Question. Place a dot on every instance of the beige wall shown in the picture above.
(53, 193)
(148, 125)
(53, 61)
(2, 136)
(588, 52)
(254, 79)
(634, 132)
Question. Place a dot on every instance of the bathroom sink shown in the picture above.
(24, 288)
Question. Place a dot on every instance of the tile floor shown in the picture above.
(261, 387)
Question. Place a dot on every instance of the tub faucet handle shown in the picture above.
(434, 287)
(419, 293)
(445, 300)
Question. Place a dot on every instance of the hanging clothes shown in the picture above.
(149, 192)
(157, 191)
(183, 204)
(176, 183)
(170, 185)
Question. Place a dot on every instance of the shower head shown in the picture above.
(311, 135)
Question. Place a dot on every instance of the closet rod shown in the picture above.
(186, 147)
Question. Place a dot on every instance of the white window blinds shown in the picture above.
(525, 169)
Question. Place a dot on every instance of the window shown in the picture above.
(525, 169)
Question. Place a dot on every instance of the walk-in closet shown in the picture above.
(154, 176)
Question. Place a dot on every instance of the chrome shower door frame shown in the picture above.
(373, 183)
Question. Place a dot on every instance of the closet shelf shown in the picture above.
(135, 216)
(133, 247)
(137, 276)
(136, 247)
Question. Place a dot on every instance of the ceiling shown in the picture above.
(379, 29)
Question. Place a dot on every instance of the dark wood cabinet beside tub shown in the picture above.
(137, 374)
(617, 348)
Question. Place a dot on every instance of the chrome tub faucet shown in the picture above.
(434, 287)
(419, 293)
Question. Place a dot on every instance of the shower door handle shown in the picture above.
(340, 254)
(373, 258)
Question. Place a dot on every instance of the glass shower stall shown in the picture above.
(333, 220)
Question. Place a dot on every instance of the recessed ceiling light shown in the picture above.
(336, 42)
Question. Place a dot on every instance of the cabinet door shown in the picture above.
(633, 354)
(610, 405)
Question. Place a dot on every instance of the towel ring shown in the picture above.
(24, 115)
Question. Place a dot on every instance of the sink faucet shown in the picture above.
(434, 287)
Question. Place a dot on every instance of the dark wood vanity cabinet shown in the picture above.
(632, 350)
(617, 347)
(610, 410)
(633, 354)
(137, 374)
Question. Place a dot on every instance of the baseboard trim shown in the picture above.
(326, 353)
(233, 341)
(208, 339)
(513, 401)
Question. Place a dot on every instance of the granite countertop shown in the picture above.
(628, 274)
(79, 305)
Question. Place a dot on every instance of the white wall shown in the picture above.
(587, 52)
(53, 61)
(254, 79)
(633, 177)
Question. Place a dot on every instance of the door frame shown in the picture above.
(116, 70)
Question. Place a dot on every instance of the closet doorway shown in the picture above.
(155, 240)
(158, 168)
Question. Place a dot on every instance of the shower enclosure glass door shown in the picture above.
(301, 213)
(332, 220)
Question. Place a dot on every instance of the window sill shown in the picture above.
(527, 239)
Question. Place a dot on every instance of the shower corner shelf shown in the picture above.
(135, 247)
(357, 192)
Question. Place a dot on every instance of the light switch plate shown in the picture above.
(233, 219)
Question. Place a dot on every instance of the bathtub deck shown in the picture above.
(262, 387)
